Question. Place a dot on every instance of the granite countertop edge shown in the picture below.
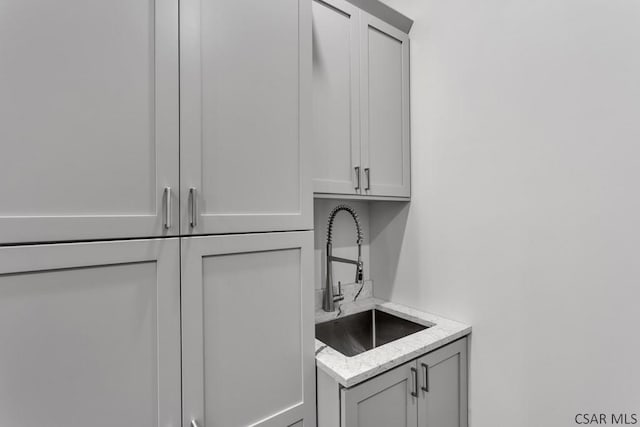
(350, 371)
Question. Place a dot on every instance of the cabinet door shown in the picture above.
(90, 334)
(245, 115)
(443, 392)
(385, 108)
(248, 334)
(386, 400)
(89, 107)
(336, 80)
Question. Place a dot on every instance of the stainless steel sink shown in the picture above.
(357, 333)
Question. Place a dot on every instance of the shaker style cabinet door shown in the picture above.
(245, 116)
(248, 330)
(389, 399)
(89, 112)
(443, 387)
(90, 334)
(385, 126)
(336, 80)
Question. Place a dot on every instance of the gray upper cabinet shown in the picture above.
(384, 110)
(248, 330)
(444, 387)
(336, 87)
(387, 400)
(89, 111)
(245, 116)
(361, 128)
(90, 334)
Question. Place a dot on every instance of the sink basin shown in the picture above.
(359, 332)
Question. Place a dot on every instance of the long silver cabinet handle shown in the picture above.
(167, 207)
(357, 169)
(194, 423)
(193, 207)
(425, 386)
(414, 375)
(367, 173)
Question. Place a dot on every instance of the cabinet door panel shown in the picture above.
(444, 372)
(90, 333)
(245, 98)
(248, 330)
(89, 101)
(383, 401)
(385, 108)
(336, 121)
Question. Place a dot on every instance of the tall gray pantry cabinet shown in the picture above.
(156, 213)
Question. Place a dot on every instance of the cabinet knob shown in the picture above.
(194, 423)
(357, 169)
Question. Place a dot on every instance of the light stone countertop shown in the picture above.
(350, 371)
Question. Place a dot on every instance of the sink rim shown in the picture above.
(384, 309)
(404, 316)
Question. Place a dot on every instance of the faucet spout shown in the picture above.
(329, 298)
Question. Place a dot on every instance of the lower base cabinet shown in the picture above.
(383, 401)
(430, 391)
(443, 387)
(248, 330)
(90, 334)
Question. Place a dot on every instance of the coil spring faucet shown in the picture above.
(329, 299)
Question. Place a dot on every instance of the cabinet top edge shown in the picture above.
(385, 13)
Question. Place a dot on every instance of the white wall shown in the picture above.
(525, 219)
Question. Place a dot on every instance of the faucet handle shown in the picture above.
(340, 295)
(360, 272)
